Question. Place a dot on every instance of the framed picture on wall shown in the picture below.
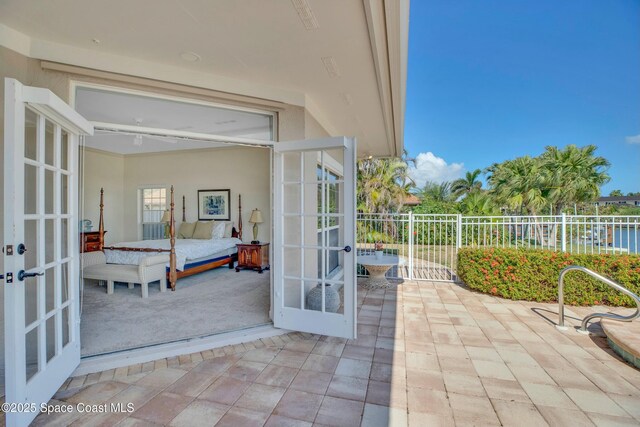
(214, 204)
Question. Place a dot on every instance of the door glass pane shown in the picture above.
(48, 143)
(291, 163)
(49, 182)
(292, 292)
(291, 198)
(30, 135)
(31, 342)
(292, 230)
(49, 242)
(30, 242)
(30, 300)
(64, 194)
(64, 282)
(51, 337)
(64, 238)
(65, 326)
(30, 187)
(64, 150)
(49, 289)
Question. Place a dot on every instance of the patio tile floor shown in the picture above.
(427, 354)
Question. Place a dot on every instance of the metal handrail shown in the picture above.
(587, 319)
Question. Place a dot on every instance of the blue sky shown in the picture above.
(494, 80)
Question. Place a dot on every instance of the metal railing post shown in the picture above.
(586, 319)
(410, 245)
(563, 238)
(458, 233)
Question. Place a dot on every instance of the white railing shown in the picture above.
(427, 244)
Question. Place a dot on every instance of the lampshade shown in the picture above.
(166, 217)
(256, 217)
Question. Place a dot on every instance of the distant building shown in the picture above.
(619, 200)
(411, 200)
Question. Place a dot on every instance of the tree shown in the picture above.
(616, 193)
(574, 174)
(467, 185)
(478, 203)
(438, 192)
(519, 184)
(383, 184)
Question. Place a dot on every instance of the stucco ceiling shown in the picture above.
(316, 51)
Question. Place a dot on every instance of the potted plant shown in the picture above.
(378, 246)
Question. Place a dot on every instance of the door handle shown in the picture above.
(23, 275)
(347, 248)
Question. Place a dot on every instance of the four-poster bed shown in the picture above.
(186, 257)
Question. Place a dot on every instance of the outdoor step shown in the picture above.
(624, 339)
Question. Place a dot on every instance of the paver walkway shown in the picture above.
(427, 354)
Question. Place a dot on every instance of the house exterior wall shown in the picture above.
(294, 123)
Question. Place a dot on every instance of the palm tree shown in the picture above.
(519, 184)
(575, 174)
(478, 203)
(383, 184)
(437, 192)
(467, 185)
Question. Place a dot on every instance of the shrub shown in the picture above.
(532, 275)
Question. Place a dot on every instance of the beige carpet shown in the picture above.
(212, 302)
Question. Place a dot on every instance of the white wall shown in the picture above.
(243, 170)
(312, 128)
(104, 170)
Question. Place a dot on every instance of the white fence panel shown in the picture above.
(427, 244)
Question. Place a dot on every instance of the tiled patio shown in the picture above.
(428, 354)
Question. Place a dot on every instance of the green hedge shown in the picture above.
(532, 275)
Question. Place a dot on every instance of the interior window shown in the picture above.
(154, 204)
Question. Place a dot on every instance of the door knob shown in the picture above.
(21, 249)
(23, 274)
(347, 249)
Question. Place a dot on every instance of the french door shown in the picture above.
(314, 236)
(41, 257)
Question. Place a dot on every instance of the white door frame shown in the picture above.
(301, 319)
(30, 394)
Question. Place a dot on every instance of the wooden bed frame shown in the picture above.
(173, 275)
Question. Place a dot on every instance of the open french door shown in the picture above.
(314, 236)
(41, 257)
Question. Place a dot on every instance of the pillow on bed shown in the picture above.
(218, 230)
(204, 230)
(186, 230)
(228, 227)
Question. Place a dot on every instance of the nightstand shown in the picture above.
(90, 241)
(254, 256)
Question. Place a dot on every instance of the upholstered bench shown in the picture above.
(150, 269)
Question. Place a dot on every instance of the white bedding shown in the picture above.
(186, 250)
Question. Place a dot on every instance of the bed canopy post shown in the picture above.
(101, 223)
(184, 210)
(172, 255)
(239, 216)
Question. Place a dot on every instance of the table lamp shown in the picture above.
(256, 218)
(166, 218)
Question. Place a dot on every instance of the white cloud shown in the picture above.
(633, 139)
(430, 167)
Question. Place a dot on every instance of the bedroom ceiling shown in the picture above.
(135, 110)
(316, 53)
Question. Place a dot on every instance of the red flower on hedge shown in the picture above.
(494, 290)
